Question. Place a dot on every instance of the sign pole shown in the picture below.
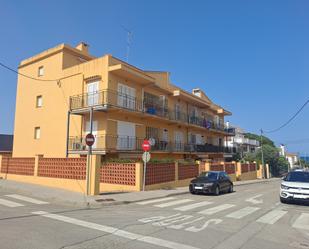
(144, 179)
(89, 156)
(146, 157)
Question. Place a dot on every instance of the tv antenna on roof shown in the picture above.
(129, 40)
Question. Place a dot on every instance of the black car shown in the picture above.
(213, 182)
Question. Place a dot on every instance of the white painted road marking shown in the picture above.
(27, 199)
(194, 205)
(254, 201)
(172, 203)
(10, 203)
(170, 221)
(242, 212)
(115, 231)
(302, 222)
(272, 217)
(156, 200)
(216, 209)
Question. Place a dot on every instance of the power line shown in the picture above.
(24, 75)
(290, 120)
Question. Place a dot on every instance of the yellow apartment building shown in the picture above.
(71, 92)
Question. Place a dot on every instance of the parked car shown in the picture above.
(295, 186)
(214, 182)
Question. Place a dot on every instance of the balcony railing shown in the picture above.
(104, 99)
(109, 98)
(131, 143)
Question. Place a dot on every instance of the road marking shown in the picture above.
(172, 203)
(216, 209)
(180, 226)
(302, 222)
(27, 199)
(116, 231)
(206, 224)
(272, 217)
(192, 206)
(170, 221)
(253, 199)
(10, 203)
(242, 212)
(154, 201)
(157, 218)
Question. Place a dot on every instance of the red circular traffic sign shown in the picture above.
(146, 145)
(90, 139)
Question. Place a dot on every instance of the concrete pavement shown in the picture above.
(250, 218)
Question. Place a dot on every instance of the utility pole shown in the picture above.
(261, 138)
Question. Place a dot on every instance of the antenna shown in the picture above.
(129, 39)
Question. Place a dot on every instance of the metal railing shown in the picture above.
(109, 98)
(131, 143)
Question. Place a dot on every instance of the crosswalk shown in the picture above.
(10, 201)
(198, 208)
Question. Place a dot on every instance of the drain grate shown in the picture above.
(102, 200)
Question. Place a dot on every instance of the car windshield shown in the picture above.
(210, 175)
(297, 177)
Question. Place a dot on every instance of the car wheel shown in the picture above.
(217, 191)
(192, 192)
(231, 189)
(283, 200)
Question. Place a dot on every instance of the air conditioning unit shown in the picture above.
(78, 146)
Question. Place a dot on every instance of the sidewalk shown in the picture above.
(65, 197)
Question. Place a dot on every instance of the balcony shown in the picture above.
(111, 143)
(105, 99)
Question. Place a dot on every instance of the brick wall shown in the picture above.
(252, 167)
(244, 168)
(18, 165)
(230, 168)
(118, 173)
(187, 171)
(217, 167)
(159, 173)
(68, 168)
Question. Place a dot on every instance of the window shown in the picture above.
(41, 71)
(37, 133)
(126, 96)
(39, 101)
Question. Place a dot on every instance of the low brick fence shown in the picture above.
(160, 173)
(187, 171)
(118, 173)
(68, 168)
(18, 165)
(247, 171)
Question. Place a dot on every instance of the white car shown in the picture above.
(295, 186)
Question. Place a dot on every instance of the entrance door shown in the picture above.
(179, 141)
(126, 136)
(93, 93)
(94, 131)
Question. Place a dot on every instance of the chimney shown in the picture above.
(83, 47)
(197, 92)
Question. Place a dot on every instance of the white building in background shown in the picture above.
(242, 144)
(291, 157)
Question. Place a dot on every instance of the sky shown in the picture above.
(251, 57)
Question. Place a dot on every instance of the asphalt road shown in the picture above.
(251, 218)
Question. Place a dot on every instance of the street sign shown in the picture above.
(146, 145)
(146, 157)
(90, 139)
